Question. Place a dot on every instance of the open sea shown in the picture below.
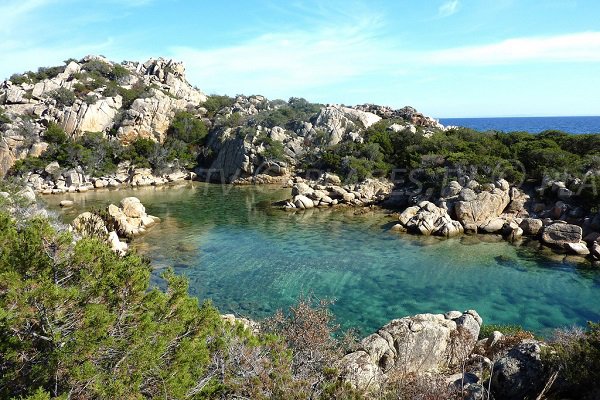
(576, 125)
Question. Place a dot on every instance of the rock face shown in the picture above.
(478, 212)
(96, 117)
(166, 91)
(428, 219)
(520, 374)
(149, 117)
(418, 344)
(339, 122)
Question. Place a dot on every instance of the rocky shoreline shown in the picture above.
(493, 208)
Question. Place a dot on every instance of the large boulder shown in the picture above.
(132, 207)
(520, 374)
(559, 234)
(419, 344)
(531, 226)
(96, 117)
(428, 219)
(487, 205)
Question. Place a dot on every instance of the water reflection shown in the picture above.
(252, 259)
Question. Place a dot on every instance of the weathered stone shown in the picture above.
(88, 224)
(580, 248)
(480, 211)
(115, 243)
(132, 207)
(531, 226)
(520, 374)
(494, 225)
(303, 202)
(453, 189)
(559, 234)
(420, 344)
(66, 203)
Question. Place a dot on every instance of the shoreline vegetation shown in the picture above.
(73, 303)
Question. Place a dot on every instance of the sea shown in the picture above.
(251, 260)
(575, 125)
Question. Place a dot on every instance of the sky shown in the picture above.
(447, 58)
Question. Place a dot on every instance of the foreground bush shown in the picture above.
(76, 319)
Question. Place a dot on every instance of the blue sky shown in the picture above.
(447, 58)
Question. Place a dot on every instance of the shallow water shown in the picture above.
(251, 260)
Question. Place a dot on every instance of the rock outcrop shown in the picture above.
(428, 219)
(98, 109)
(520, 374)
(485, 206)
(327, 191)
(418, 344)
(127, 221)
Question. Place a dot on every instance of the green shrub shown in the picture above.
(187, 128)
(63, 96)
(55, 134)
(215, 103)
(19, 79)
(576, 357)
(487, 329)
(80, 321)
(3, 117)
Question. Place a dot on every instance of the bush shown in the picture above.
(63, 96)
(55, 134)
(576, 356)
(215, 103)
(79, 321)
(187, 128)
(487, 329)
(3, 117)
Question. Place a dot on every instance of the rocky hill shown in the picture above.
(129, 101)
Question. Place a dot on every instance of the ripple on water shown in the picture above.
(252, 260)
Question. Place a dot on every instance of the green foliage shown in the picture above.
(287, 115)
(215, 103)
(139, 152)
(55, 135)
(576, 357)
(92, 151)
(487, 329)
(130, 95)
(274, 150)
(63, 96)
(79, 320)
(3, 117)
(19, 79)
(187, 128)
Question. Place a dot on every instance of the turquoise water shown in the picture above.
(252, 260)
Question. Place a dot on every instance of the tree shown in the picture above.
(80, 320)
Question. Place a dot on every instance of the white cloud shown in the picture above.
(281, 64)
(448, 8)
(289, 62)
(576, 47)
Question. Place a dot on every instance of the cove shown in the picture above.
(251, 259)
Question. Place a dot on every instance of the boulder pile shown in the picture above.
(127, 221)
(328, 191)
